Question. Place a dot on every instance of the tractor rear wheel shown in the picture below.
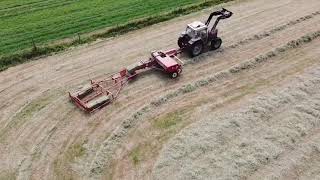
(196, 48)
(216, 43)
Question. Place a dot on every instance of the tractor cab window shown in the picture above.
(190, 32)
(203, 33)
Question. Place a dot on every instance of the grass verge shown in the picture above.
(32, 53)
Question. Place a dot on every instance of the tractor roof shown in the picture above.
(197, 25)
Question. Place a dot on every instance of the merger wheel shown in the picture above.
(174, 75)
(216, 43)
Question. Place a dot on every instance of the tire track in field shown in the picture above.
(43, 149)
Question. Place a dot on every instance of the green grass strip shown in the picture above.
(45, 50)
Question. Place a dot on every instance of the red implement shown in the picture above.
(100, 93)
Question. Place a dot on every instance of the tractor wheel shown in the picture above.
(196, 49)
(216, 43)
(183, 41)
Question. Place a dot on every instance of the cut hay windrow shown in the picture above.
(276, 29)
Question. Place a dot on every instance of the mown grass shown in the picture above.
(135, 155)
(46, 21)
(33, 108)
(168, 121)
(62, 165)
(165, 126)
(7, 175)
(26, 114)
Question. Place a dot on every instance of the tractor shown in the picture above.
(199, 36)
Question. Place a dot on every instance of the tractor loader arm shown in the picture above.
(223, 14)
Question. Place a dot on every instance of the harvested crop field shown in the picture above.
(247, 111)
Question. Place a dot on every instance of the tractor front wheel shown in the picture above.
(196, 49)
(216, 43)
(183, 41)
